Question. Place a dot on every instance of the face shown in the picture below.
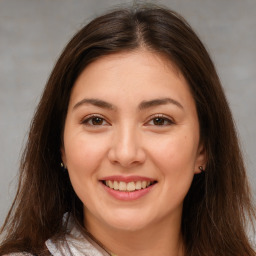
(131, 141)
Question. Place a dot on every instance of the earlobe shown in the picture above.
(63, 156)
(201, 168)
(201, 160)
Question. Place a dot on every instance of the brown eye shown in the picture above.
(97, 121)
(159, 121)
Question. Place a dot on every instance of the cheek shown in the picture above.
(175, 159)
(84, 153)
(84, 156)
(175, 153)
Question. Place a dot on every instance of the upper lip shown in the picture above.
(126, 178)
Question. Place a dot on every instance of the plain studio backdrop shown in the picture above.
(34, 32)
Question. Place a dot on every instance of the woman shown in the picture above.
(132, 150)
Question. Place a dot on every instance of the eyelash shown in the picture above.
(165, 121)
(90, 119)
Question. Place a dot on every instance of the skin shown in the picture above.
(158, 140)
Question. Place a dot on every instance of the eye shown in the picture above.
(95, 121)
(160, 120)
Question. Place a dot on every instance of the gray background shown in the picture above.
(33, 33)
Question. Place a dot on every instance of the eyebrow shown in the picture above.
(95, 102)
(158, 102)
(143, 105)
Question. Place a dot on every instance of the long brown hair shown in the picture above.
(218, 204)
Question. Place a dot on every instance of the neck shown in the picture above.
(160, 239)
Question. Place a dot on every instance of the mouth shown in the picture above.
(130, 186)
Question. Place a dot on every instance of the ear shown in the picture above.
(201, 159)
(63, 155)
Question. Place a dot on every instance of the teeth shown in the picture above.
(116, 185)
(143, 184)
(130, 186)
(122, 186)
(110, 184)
(138, 185)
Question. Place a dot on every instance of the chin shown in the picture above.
(128, 222)
(129, 226)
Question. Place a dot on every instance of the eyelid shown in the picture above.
(87, 118)
(163, 116)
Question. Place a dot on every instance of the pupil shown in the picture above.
(97, 121)
(158, 121)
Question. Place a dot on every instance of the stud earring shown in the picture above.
(63, 166)
(201, 168)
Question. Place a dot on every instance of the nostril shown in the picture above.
(126, 154)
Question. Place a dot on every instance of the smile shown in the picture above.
(128, 186)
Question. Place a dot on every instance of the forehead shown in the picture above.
(130, 60)
(138, 74)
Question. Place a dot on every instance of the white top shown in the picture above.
(74, 244)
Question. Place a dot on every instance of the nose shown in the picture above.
(126, 148)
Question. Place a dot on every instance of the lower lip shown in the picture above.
(128, 196)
